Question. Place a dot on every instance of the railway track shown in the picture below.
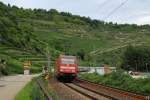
(86, 92)
(94, 91)
(45, 92)
(109, 92)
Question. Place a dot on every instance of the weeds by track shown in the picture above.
(45, 92)
(110, 92)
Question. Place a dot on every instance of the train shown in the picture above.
(66, 68)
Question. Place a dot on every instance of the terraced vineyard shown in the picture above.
(97, 43)
(15, 58)
(30, 32)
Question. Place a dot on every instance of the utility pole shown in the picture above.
(48, 63)
(146, 68)
(67, 46)
(136, 65)
(93, 57)
(48, 59)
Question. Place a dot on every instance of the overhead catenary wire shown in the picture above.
(137, 15)
(133, 17)
(114, 10)
(103, 3)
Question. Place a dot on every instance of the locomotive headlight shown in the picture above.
(72, 70)
(63, 67)
(61, 70)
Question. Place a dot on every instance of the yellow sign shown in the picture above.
(107, 69)
(46, 77)
(26, 64)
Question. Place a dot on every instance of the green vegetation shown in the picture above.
(15, 39)
(137, 58)
(120, 80)
(26, 35)
(25, 93)
(32, 91)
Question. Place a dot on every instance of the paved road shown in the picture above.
(11, 85)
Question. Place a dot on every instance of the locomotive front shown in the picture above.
(66, 68)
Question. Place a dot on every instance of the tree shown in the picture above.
(136, 58)
(81, 54)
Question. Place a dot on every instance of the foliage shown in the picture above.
(10, 66)
(137, 58)
(93, 77)
(13, 66)
(32, 91)
(120, 80)
(36, 93)
(66, 33)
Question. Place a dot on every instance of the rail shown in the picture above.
(111, 92)
(45, 92)
(85, 93)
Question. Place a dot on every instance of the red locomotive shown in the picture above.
(66, 68)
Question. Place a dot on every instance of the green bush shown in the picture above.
(34, 69)
(94, 77)
(14, 66)
(120, 80)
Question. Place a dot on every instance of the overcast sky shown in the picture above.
(133, 11)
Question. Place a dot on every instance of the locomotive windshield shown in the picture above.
(67, 61)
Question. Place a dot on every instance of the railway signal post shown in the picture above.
(26, 65)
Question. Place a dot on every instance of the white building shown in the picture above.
(99, 70)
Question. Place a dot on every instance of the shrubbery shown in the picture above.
(120, 80)
(14, 66)
(10, 65)
(32, 91)
(137, 58)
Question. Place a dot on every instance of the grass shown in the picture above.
(32, 91)
(50, 90)
(78, 37)
(25, 93)
(120, 80)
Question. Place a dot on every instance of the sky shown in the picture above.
(120, 11)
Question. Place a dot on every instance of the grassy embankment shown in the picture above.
(25, 93)
(120, 80)
(32, 91)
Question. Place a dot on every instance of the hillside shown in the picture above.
(76, 39)
(95, 42)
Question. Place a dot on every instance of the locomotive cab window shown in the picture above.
(67, 61)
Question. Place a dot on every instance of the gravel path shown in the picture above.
(65, 93)
(11, 85)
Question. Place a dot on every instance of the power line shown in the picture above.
(113, 11)
(137, 15)
(134, 16)
(103, 3)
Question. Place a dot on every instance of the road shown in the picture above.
(11, 85)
